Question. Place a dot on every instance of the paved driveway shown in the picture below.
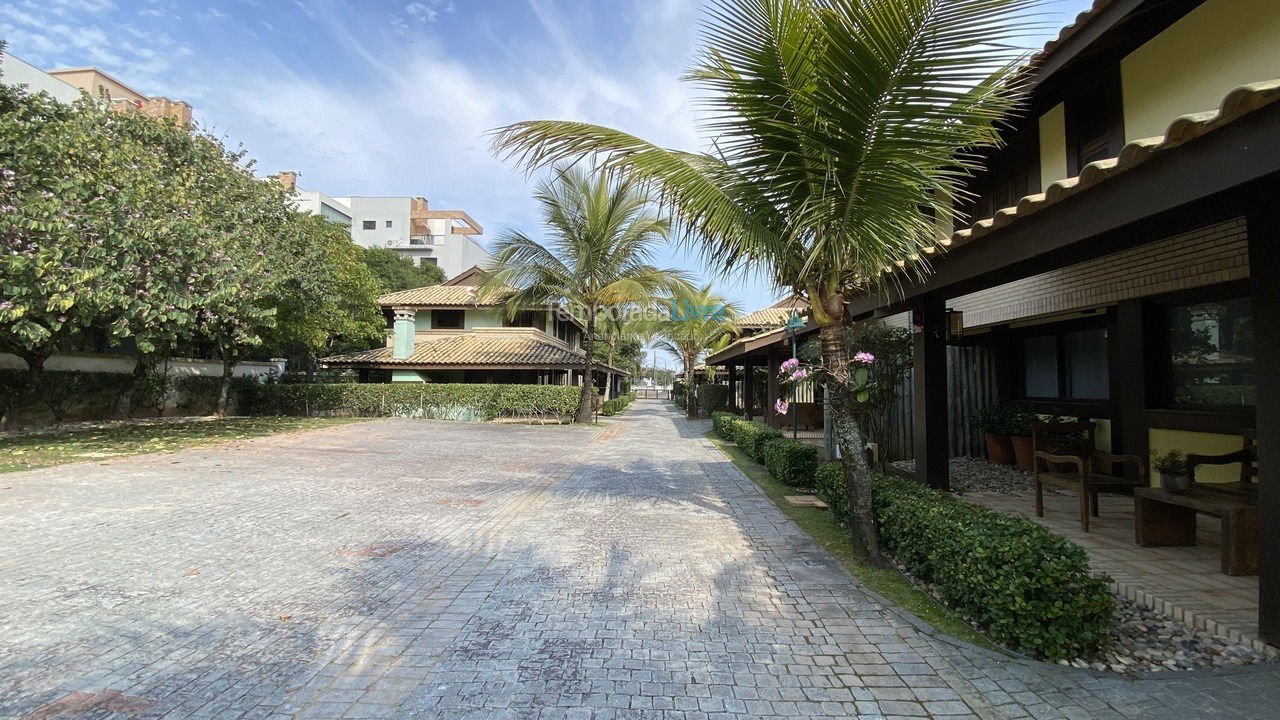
(405, 568)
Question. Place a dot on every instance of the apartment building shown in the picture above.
(66, 85)
(408, 225)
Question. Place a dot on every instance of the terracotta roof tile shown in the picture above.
(439, 296)
(482, 347)
(1237, 103)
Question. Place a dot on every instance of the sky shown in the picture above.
(388, 97)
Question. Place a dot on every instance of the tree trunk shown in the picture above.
(585, 403)
(857, 474)
(35, 372)
(122, 408)
(224, 382)
(690, 389)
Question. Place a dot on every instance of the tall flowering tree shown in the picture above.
(839, 129)
(57, 206)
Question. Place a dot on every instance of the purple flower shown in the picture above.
(864, 357)
(62, 318)
(799, 374)
(790, 365)
(781, 406)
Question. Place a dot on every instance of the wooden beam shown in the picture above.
(1192, 186)
(748, 389)
(1129, 379)
(775, 366)
(929, 375)
(1264, 276)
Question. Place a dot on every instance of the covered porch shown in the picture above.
(1083, 292)
(1183, 582)
(752, 367)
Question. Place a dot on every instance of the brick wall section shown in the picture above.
(1215, 254)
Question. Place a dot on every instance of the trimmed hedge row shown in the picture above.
(450, 401)
(790, 461)
(712, 398)
(92, 394)
(1027, 588)
(787, 460)
(617, 405)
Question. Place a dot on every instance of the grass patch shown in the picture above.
(887, 583)
(37, 450)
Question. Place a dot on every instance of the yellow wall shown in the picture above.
(1162, 441)
(1053, 146)
(1193, 64)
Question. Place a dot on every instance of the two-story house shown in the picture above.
(457, 332)
(1121, 257)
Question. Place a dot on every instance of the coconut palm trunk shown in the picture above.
(839, 133)
(853, 456)
(586, 404)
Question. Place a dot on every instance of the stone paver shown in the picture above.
(406, 568)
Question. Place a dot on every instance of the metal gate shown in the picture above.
(652, 393)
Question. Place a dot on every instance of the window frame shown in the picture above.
(437, 313)
(1160, 389)
(1059, 331)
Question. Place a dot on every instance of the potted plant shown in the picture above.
(993, 420)
(1172, 467)
(1020, 421)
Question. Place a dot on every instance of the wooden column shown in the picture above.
(748, 388)
(733, 385)
(929, 417)
(1129, 381)
(775, 366)
(1264, 280)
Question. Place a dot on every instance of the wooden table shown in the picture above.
(1168, 518)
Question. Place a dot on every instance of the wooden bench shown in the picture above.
(1087, 480)
(1168, 518)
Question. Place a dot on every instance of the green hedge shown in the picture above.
(452, 401)
(712, 398)
(617, 405)
(831, 487)
(790, 461)
(1029, 589)
(752, 436)
(724, 422)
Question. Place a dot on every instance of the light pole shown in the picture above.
(794, 325)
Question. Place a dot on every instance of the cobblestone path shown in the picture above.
(405, 568)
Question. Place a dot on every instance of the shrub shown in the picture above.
(751, 437)
(712, 398)
(414, 399)
(61, 391)
(1027, 588)
(197, 394)
(831, 487)
(616, 405)
(790, 461)
(724, 422)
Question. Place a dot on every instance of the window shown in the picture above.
(1095, 122)
(1067, 364)
(417, 240)
(446, 319)
(388, 223)
(1209, 356)
(427, 261)
(369, 224)
(527, 318)
(1040, 366)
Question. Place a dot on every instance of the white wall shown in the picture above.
(315, 202)
(15, 71)
(379, 210)
(94, 362)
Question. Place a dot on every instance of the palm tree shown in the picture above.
(602, 233)
(700, 322)
(841, 129)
